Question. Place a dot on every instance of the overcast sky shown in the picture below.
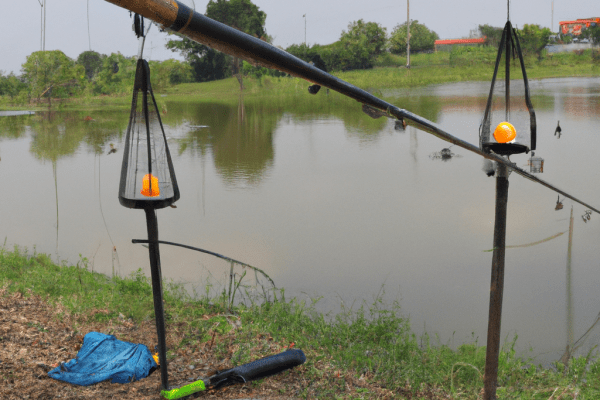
(110, 26)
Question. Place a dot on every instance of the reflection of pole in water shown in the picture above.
(413, 143)
(569, 291)
(56, 193)
(203, 161)
(241, 111)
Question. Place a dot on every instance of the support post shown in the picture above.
(497, 286)
(157, 293)
(569, 290)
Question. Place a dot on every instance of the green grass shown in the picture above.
(373, 341)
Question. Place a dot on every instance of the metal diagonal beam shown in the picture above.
(180, 19)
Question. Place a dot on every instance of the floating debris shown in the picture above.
(198, 126)
(112, 149)
(444, 154)
(587, 215)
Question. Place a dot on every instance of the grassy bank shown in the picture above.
(461, 64)
(363, 353)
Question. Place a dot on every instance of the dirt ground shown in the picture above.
(35, 337)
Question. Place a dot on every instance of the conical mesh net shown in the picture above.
(508, 125)
(147, 176)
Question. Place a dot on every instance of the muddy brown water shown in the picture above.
(331, 203)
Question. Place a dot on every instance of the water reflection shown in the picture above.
(13, 127)
(240, 138)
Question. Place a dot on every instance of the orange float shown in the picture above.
(505, 132)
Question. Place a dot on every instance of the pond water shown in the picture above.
(330, 203)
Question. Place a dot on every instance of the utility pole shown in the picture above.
(304, 29)
(407, 33)
(552, 20)
(44, 40)
(41, 23)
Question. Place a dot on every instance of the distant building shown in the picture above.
(576, 27)
(447, 44)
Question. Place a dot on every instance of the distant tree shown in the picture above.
(92, 62)
(566, 39)
(170, 72)
(52, 73)
(116, 75)
(302, 51)
(492, 34)
(209, 64)
(421, 38)
(534, 39)
(11, 85)
(357, 48)
(592, 33)
(242, 15)
(372, 35)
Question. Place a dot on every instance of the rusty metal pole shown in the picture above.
(497, 286)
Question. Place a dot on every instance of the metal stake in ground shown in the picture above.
(496, 286)
(157, 293)
(148, 182)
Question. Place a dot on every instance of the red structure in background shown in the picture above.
(458, 41)
(577, 26)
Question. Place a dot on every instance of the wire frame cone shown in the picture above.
(147, 174)
(508, 102)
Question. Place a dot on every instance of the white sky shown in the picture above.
(110, 25)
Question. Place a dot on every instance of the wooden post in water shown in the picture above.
(497, 286)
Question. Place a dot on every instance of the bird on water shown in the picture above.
(557, 131)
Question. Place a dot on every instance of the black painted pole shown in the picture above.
(497, 286)
(157, 293)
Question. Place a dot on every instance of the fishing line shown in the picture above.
(533, 243)
(114, 248)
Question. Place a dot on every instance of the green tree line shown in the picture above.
(359, 46)
(53, 74)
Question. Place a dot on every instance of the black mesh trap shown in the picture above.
(147, 174)
(509, 100)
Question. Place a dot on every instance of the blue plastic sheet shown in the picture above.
(103, 357)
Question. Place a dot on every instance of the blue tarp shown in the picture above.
(104, 357)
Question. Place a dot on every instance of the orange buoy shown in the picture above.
(505, 132)
(150, 186)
